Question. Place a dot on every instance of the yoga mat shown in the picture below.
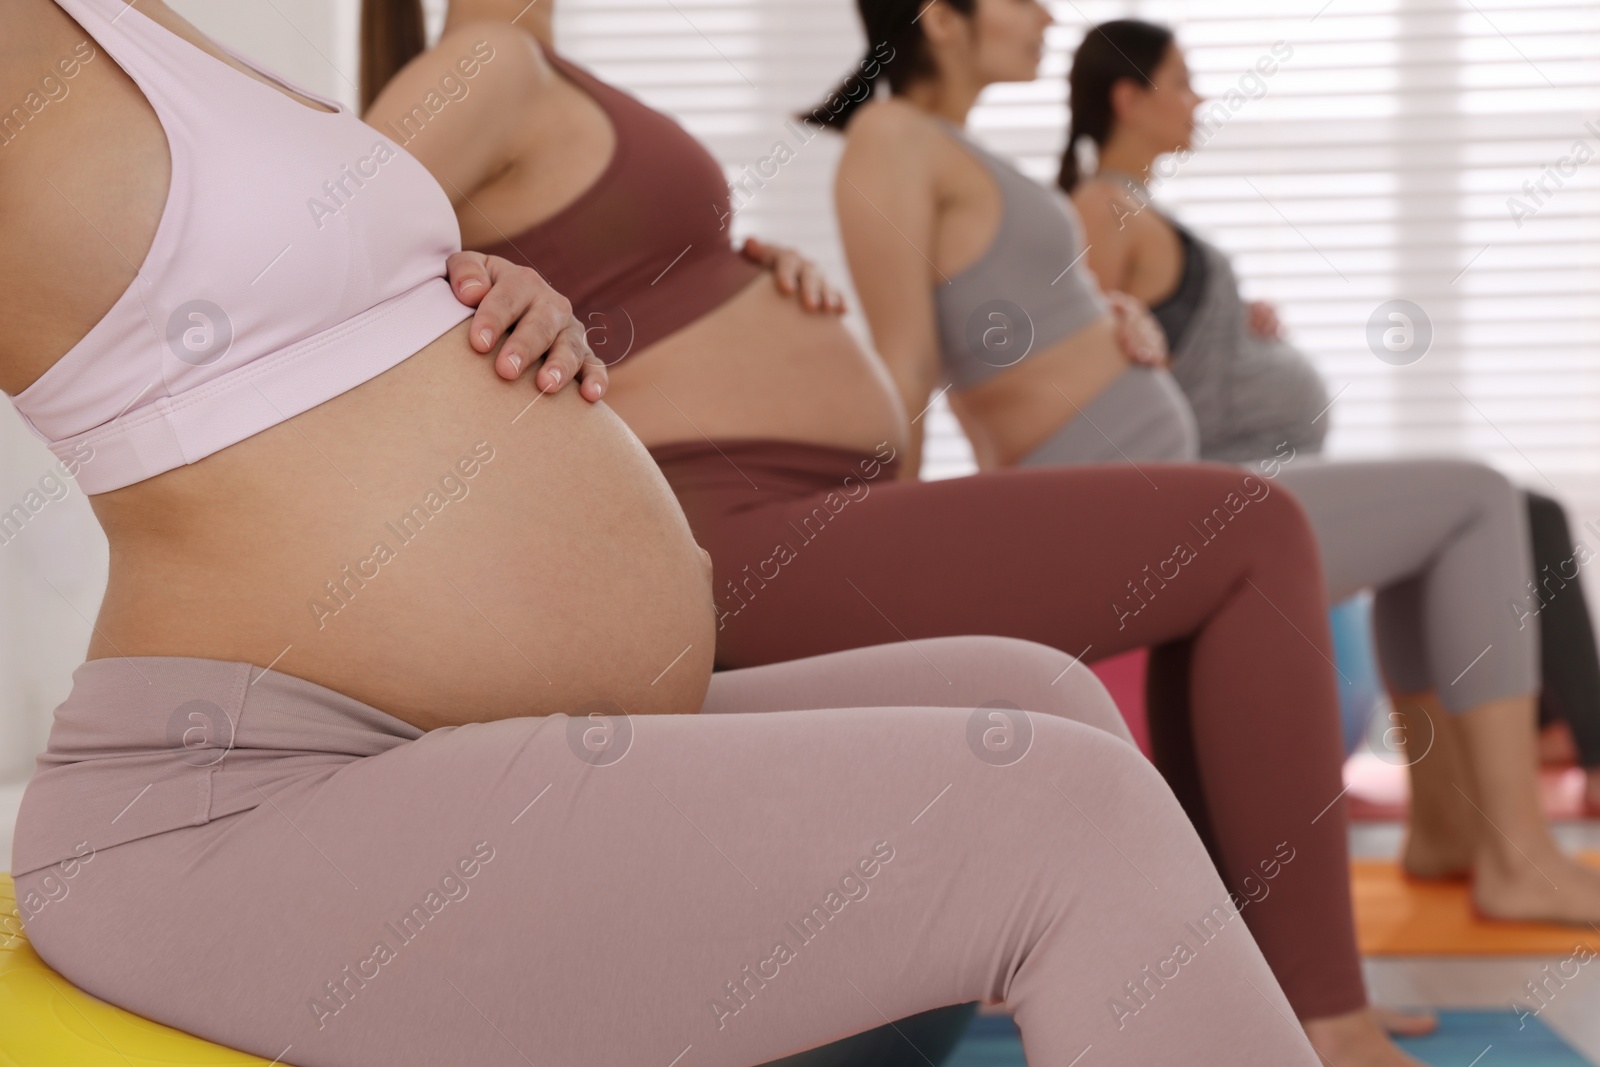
(1401, 916)
(1380, 790)
(1464, 1039)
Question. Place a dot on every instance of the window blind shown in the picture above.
(1441, 152)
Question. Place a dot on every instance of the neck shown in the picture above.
(1129, 157)
(537, 18)
(947, 97)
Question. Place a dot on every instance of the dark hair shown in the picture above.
(892, 27)
(393, 33)
(1110, 52)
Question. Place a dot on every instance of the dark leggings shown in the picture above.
(1568, 664)
(820, 549)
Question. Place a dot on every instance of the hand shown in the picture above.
(1138, 332)
(539, 320)
(1263, 319)
(794, 273)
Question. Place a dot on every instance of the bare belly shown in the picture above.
(759, 366)
(428, 544)
(1014, 412)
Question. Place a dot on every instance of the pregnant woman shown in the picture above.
(343, 781)
(1252, 392)
(1444, 542)
(782, 439)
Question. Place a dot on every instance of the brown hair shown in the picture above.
(891, 26)
(393, 33)
(1110, 52)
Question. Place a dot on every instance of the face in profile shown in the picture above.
(1008, 39)
(1163, 112)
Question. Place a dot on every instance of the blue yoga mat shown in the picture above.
(1464, 1039)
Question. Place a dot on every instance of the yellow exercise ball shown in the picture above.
(46, 1020)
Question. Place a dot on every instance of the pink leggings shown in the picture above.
(713, 889)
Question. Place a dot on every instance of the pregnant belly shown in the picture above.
(759, 365)
(429, 544)
(1012, 413)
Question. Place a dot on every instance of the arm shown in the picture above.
(884, 195)
(464, 148)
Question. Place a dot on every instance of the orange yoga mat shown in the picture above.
(1400, 916)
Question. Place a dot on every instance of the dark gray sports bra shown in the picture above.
(1029, 289)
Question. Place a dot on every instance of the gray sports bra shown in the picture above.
(1029, 289)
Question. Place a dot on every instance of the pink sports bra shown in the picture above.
(299, 254)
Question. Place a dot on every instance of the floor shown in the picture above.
(1465, 982)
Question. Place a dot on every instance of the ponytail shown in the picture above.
(1069, 176)
(898, 50)
(856, 89)
(393, 33)
(1110, 52)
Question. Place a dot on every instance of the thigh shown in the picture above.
(1380, 522)
(742, 885)
(946, 672)
(1091, 560)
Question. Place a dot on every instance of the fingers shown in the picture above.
(755, 249)
(571, 359)
(535, 334)
(786, 268)
(518, 295)
(469, 277)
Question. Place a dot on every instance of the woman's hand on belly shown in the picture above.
(1138, 332)
(759, 365)
(433, 543)
(795, 275)
(514, 298)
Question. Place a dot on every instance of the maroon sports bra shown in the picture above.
(645, 250)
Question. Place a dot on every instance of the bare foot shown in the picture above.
(1436, 855)
(1355, 1040)
(1404, 1023)
(1546, 887)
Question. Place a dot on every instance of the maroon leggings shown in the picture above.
(820, 549)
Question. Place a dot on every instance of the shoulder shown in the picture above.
(501, 57)
(890, 122)
(891, 135)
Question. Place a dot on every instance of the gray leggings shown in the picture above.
(1443, 542)
(1141, 415)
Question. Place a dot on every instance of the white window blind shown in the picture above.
(1379, 161)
